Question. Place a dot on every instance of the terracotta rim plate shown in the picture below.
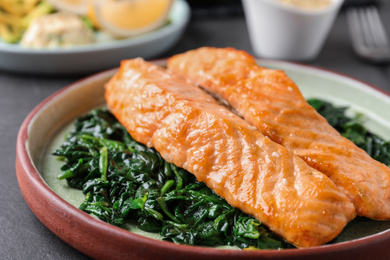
(97, 56)
(101, 240)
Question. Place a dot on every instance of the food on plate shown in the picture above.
(271, 101)
(129, 185)
(15, 17)
(57, 29)
(251, 172)
(110, 19)
(195, 215)
(120, 18)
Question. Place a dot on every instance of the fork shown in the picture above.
(369, 38)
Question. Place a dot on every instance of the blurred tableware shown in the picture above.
(368, 35)
(83, 59)
(285, 31)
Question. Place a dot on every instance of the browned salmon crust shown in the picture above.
(235, 160)
(271, 101)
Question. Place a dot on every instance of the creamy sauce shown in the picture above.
(58, 29)
(307, 3)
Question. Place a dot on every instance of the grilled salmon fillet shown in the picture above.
(271, 101)
(260, 177)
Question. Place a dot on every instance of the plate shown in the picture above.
(98, 56)
(101, 240)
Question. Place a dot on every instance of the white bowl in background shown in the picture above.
(283, 31)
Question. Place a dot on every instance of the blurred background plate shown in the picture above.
(98, 56)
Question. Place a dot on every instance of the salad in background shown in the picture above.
(61, 23)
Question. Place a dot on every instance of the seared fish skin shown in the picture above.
(236, 161)
(271, 101)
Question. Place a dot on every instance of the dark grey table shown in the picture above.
(22, 235)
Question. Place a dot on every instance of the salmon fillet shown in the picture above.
(251, 172)
(271, 101)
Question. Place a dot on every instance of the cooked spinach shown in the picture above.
(124, 181)
(353, 129)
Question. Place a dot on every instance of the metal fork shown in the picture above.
(369, 38)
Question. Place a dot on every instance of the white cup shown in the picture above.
(283, 31)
